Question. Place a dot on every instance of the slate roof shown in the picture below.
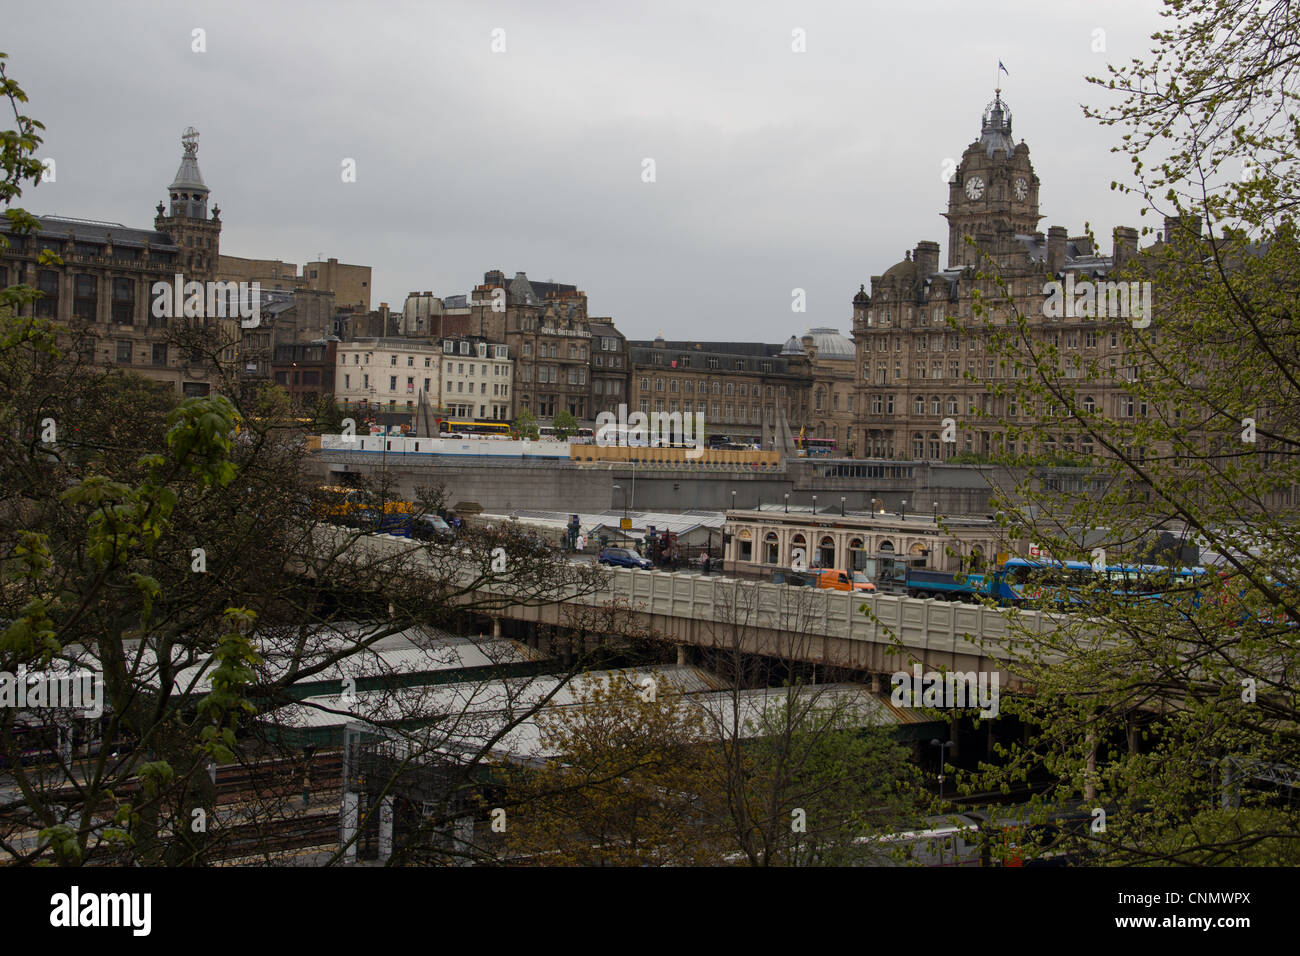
(89, 230)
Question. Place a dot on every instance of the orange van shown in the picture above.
(836, 580)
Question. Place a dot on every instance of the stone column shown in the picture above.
(385, 829)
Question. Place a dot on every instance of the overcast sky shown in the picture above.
(774, 169)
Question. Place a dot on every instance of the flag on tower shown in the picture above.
(1003, 68)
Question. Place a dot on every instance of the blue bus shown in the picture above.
(1064, 582)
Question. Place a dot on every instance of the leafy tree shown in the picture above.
(525, 425)
(565, 425)
(627, 784)
(1179, 713)
(143, 539)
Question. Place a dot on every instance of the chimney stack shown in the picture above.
(1124, 242)
(1181, 227)
(926, 258)
(1056, 239)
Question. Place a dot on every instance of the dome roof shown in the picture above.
(831, 345)
(793, 347)
(862, 298)
(903, 270)
(995, 127)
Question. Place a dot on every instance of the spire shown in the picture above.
(995, 127)
(189, 194)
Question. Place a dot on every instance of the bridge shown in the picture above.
(874, 634)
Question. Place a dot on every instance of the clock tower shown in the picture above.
(993, 195)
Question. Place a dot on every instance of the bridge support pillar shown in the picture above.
(350, 811)
(875, 683)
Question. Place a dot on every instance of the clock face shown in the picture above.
(1022, 188)
(974, 187)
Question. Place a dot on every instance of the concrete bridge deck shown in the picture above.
(873, 634)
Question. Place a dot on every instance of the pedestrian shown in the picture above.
(704, 564)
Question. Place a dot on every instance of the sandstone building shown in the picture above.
(914, 371)
(103, 292)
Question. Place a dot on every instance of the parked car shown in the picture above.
(430, 526)
(623, 558)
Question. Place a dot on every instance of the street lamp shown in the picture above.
(814, 504)
(841, 506)
(936, 512)
(943, 748)
(787, 502)
(904, 509)
(733, 501)
(620, 488)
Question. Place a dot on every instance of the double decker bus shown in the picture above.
(816, 447)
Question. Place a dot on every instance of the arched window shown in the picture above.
(918, 445)
(800, 545)
(918, 404)
(857, 554)
(936, 405)
(826, 552)
(952, 404)
(1088, 404)
(771, 548)
(886, 547)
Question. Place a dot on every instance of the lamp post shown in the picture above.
(620, 488)
(733, 501)
(943, 750)
(787, 502)
(841, 506)
(814, 504)
(936, 512)
(904, 509)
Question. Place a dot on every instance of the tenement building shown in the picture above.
(564, 360)
(736, 386)
(914, 370)
(386, 380)
(477, 379)
(102, 294)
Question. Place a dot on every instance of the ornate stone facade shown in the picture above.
(914, 370)
(103, 292)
